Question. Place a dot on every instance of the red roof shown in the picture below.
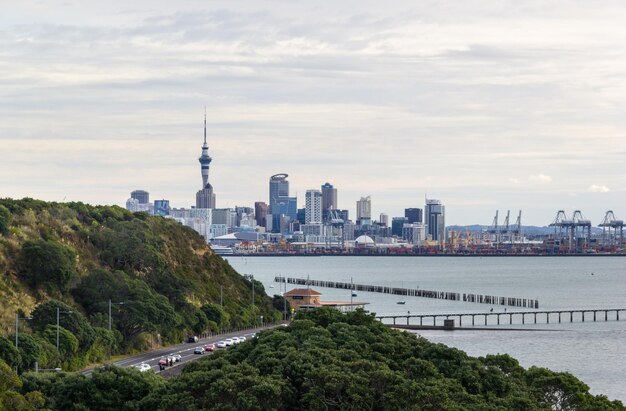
(302, 292)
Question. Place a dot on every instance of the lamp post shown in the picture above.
(110, 304)
(58, 315)
(17, 331)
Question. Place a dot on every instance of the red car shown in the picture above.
(209, 347)
(163, 361)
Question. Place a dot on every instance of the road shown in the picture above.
(185, 350)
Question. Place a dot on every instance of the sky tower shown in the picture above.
(205, 198)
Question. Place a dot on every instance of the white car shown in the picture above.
(242, 339)
(229, 341)
(221, 344)
(143, 367)
(236, 340)
(177, 357)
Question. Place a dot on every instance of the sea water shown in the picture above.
(595, 352)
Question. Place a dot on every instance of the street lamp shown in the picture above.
(58, 315)
(17, 330)
(110, 304)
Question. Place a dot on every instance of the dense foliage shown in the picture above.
(162, 279)
(325, 361)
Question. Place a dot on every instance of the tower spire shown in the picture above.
(205, 125)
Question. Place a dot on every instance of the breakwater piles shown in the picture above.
(417, 292)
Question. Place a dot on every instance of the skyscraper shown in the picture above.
(260, 213)
(205, 198)
(383, 219)
(396, 225)
(414, 215)
(329, 200)
(313, 207)
(280, 202)
(162, 207)
(143, 197)
(364, 208)
(435, 219)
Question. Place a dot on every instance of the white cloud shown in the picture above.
(541, 178)
(594, 188)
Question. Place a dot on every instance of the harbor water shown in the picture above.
(595, 352)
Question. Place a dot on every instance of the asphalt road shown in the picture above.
(185, 350)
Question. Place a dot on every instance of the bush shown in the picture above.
(5, 220)
(8, 352)
(47, 263)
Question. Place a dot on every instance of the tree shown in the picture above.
(47, 263)
(68, 343)
(217, 314)
(5, 220)
(8, 352)
(45, 314)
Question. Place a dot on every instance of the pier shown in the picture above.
(417, 292)
(533, 317)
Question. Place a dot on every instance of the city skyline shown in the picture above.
(485, 106)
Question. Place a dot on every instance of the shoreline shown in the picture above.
(421, 255)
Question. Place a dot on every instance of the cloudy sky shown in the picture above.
(484, 105)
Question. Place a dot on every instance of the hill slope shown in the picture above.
(77, 257)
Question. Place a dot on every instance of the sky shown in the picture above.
(484, 105)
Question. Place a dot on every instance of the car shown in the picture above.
(198, 350)
(143, 367)
(163, 361)
(242, 339)
(177, 357)
(171, 358)
(229, 341)
(192, 339)
(210, 347)
(221, 344)
(236, 340)
(253, 335)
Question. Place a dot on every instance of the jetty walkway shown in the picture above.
(536, 317)
(415, 292)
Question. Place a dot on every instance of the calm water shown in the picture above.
(594, 352)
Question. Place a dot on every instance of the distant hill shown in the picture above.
(77, 257)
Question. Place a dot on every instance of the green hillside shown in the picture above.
(77, 257)
(324, 360)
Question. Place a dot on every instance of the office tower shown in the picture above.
(435, 219)
(414, 233)
(414, 215)
(329, 200)
(396, 225)
(313, 207)
(205, 198)
(143, 197)
(364, 209)
(132, 204)
(383, 219)
(240, 213)
(260, 213)
(280, 202)
(344, 214)
(162, 207)
(301, 215)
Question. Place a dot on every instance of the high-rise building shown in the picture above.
(435, 219)
(383, 219)
(313, 207)
(132, 204)
(414, 233)
(205, 198)
(396, 225)
(329, 200)
(143, 197)
(414, 215)
(162, 207)
(240, 213)
(364, 208)
(260, 213)
(280, 202)
(301, 215)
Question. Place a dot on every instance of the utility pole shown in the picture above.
(285, 300)
(110, 317)
(58, 326)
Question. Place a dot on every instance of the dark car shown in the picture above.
(192, 339)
